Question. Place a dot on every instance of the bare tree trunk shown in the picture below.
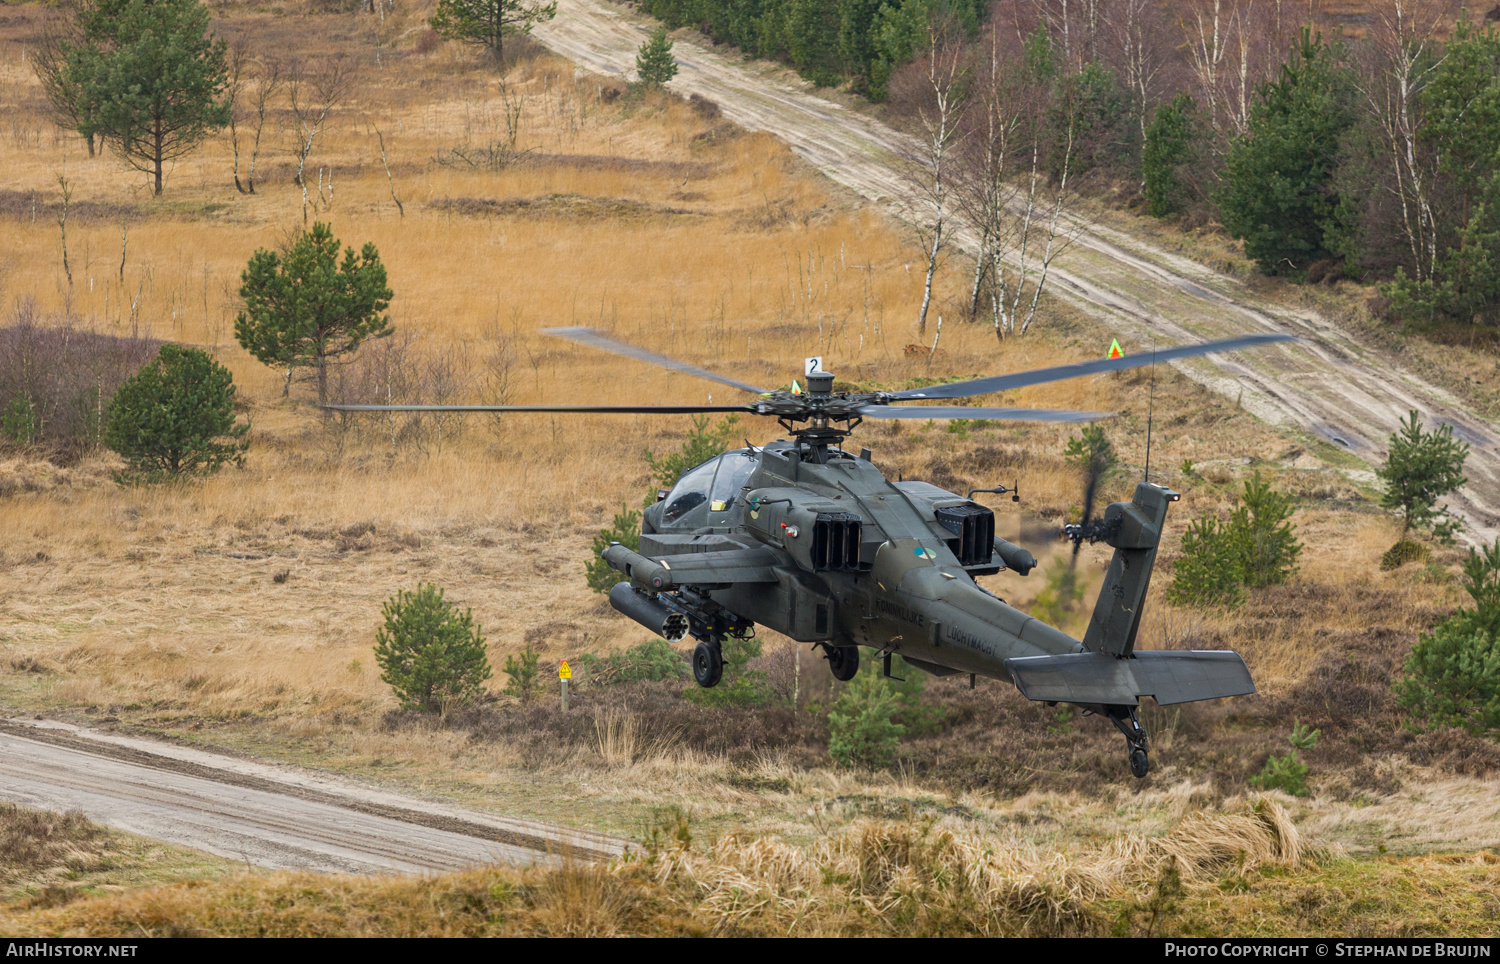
(156, 151)
(939, 111)
(1406, 52)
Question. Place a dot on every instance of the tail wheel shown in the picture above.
(843, 661)
(708, 664)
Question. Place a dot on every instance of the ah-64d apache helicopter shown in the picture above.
(817, 544)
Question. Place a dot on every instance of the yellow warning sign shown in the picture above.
(564, 671)
(1114, 348)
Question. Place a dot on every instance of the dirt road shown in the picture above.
(1327, 386)
(267, 816)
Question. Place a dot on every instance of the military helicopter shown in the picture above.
(817, 544)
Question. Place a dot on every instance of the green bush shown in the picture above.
(1403, 552)
(430, 654)
(1208, 572)
(702, 444)
(1452, 676)
(1091, 453)
(1288, 773)
(1173, 143)
(524, 673)
(652, 661)
(1256, 547)
(1420, 468)
(626, 530)
(862, 729)
(175, 417)
(1059, 596)
(19, 421)
(740, 685)
(1266, 542)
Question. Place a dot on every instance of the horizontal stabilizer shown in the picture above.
(1169, 676)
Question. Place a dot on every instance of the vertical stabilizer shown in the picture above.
(1134, 529)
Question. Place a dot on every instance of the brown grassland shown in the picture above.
(239, 613)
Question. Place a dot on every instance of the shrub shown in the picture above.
(1059, 596)
(1403, 552)
(1420, 468)
(1091, 453)
(1288, 773)
(19, 421)
(66, 377)
(740, 685)
(1452, 677)
(626, 530)
(1208, 573)
(1266, 542)
(523, 673)
(652, 661)
(432, 656)
(175, 417)
(702, 444)
(862, 729)
(1256, 547)
(305, 307)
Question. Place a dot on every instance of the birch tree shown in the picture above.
(927, 169)
(1019, 212)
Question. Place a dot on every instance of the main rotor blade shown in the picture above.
(1038, 376)
(981, 414)
(605, 409)
(597, 339)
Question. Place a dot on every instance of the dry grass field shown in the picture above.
(240, 612)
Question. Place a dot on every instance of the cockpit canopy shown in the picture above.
(706, 492)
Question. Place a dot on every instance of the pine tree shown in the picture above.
(147, 77)
(862, 730)
(432, 656)
(1420, 468)
(1267, 544)
(653, 63)
(1170, 149)
(486, 23)
(175, 417)
(1277, 194)
(305, 308)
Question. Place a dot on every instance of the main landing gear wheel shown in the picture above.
(708, 664)
(843, 661)
(1139, 764)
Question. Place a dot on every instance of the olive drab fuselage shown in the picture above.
(902, 588)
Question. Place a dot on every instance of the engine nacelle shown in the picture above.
(819, 534)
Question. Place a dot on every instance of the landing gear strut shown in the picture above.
(843, 661)
(1125, 720)
(708, 663)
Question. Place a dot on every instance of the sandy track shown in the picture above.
(1327, 386)
(267, 816)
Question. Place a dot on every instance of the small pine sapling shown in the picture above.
(653, 62)
(523, 673)
(1287, 772)
(862, 730)
(1420, 468)
(432, 656)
